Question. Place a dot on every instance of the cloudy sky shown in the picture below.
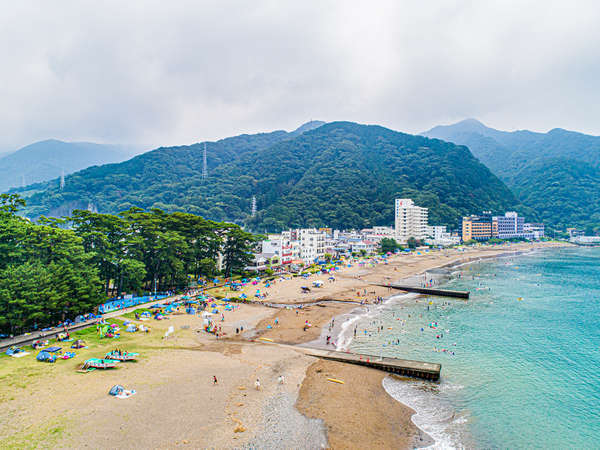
(156, 73)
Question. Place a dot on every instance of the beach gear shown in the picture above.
(121, 356)
(44, 356)
(39, 344)
(13, 350)
(120, 392)
(116, 389)
(335, 381)
(53, 349)
(78, 344)
(97, 363)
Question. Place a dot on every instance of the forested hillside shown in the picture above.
(148, 180)
(554, 173)
(341, 174)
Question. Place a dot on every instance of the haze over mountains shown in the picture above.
(45, 160)
(557, 173)
(340, 174)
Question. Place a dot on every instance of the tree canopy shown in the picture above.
(49, 273)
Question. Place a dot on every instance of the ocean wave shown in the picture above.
(346, 334)
(433, 415)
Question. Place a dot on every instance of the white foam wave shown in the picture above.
(433, 415)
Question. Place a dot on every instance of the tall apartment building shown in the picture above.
(510, 225)
(411, 220)
(480, 228)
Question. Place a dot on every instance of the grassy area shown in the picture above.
(131, 315)
(15, 373)
(45, 435)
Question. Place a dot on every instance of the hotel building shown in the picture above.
(479, 228)
(411, 220)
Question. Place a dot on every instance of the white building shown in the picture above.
(510, 225)
(586, 240)
(437, 235)
(363, 245)
(311, 243)
(378, 233)
(411, 220)
(534, 230)
(436, 232)
(283, 247)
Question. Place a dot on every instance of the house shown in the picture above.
(264, 261)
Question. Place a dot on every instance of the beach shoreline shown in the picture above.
(343, 321)
(175, 372)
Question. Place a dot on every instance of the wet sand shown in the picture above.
(358, 413)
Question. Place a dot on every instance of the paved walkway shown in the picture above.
(30, 337)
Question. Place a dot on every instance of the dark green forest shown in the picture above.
(562, 191)
(556, 174)
(49, 273)
(341, 174)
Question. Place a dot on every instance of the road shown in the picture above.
(28, 338)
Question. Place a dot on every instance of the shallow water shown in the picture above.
(524, 374)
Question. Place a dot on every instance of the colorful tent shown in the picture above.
(44, 356)
(78, 344)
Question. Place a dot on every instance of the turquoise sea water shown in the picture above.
(524, 374)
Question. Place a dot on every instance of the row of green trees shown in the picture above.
(60, 268)
(391, 245)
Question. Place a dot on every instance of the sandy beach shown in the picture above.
(178, 405)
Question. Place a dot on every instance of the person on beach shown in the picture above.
(257, 384)
(215, 380)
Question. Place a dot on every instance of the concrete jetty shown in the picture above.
(417, 369)
(428, 291)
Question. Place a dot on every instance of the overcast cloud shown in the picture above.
(176, 72)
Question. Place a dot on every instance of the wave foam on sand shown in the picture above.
(433, 416)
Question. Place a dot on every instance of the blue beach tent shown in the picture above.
(44, 356)
(116, 390)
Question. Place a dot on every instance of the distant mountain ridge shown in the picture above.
(556, 173)
(340, 174)
(46, 160)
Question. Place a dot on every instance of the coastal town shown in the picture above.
(302, 247)
(247, 346)
(299, 225)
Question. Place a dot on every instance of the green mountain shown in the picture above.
(340, 174)
(45, 160)
(557, 174)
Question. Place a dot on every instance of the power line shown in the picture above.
(204, 166)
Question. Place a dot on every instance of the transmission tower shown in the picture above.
(204, 167)
(62, 179)
(253, 205)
